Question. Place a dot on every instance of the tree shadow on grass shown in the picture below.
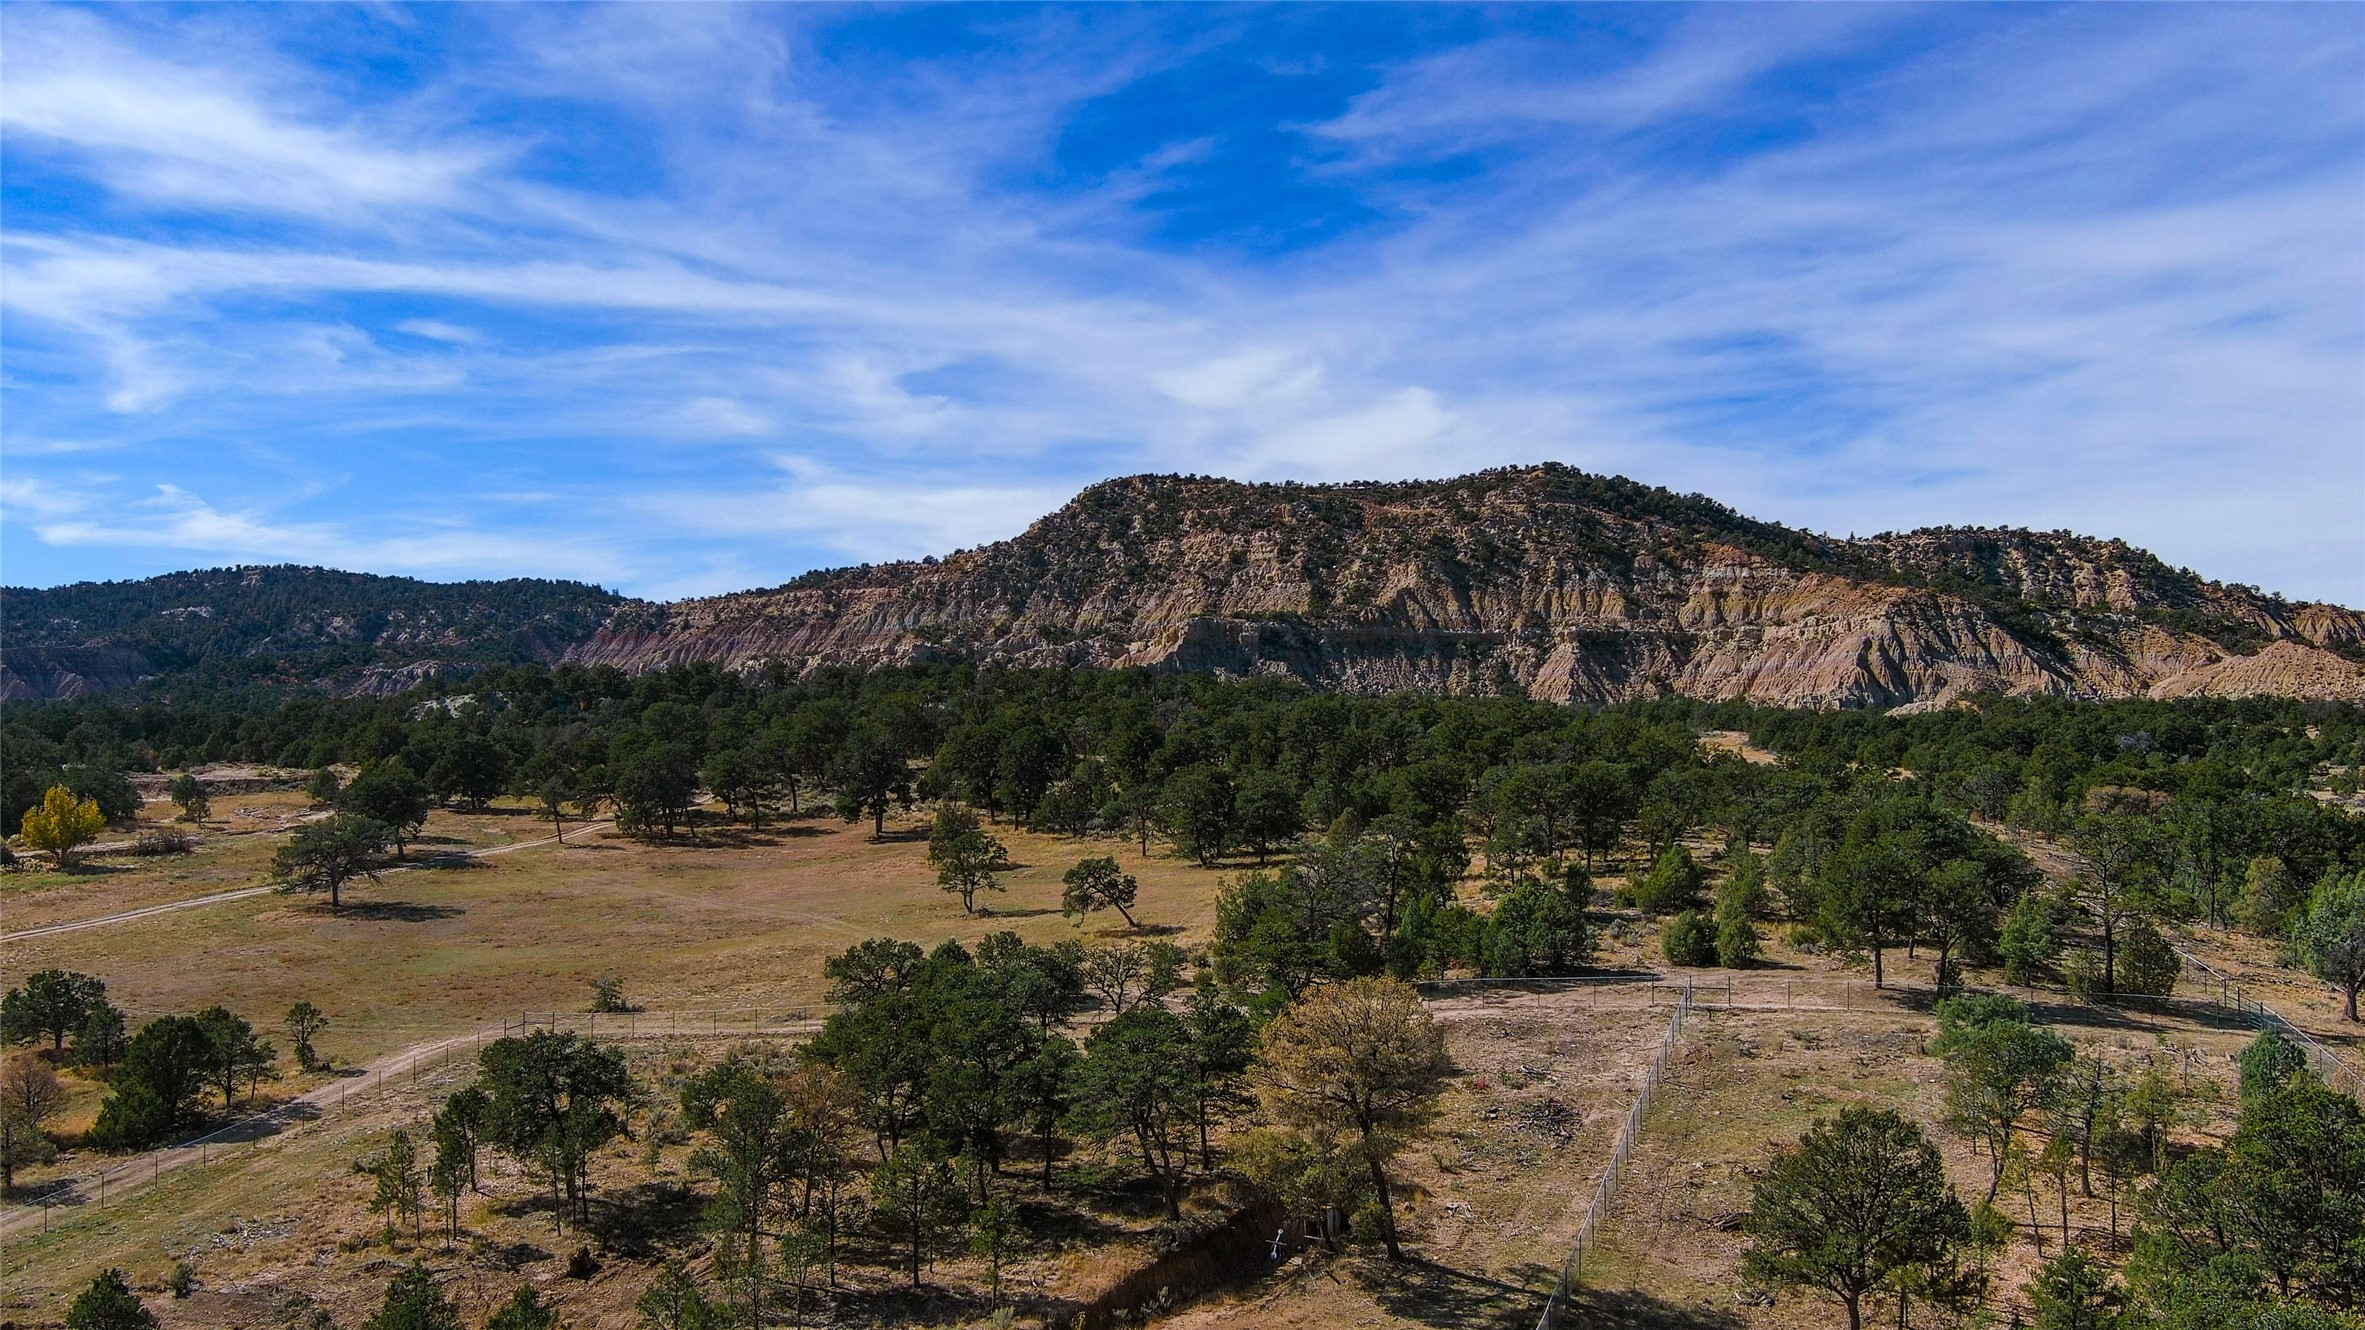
(81, 868)
(452, 863)
(513, 1256)
(737, 838)
(1429, 1293)
(399, 912)
(256, 1125)
(1632, 1309)
(1062, 1222)
(901, 1304)
(2144, 1015)
(635, 1221)
(1136, 931)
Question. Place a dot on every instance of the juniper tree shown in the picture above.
(109, 1304)
(51, 1004)
(304, 1022)
(1136, 1083)
(749, 1151)
(1861, 1200)
(325, 855)
(189, 794)
(554, 1100)
(916, 1200)
(1099, 884)
(2330, 935)
(398, 1182)
(966, 857)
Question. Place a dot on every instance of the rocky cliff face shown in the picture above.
(65, 673)
(1545, 579)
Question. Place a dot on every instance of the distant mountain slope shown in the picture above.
(350, 631)
(1543, 578)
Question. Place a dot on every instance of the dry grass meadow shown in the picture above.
(733, 920)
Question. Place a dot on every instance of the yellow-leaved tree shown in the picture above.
(62, 823)
(1353, 1071)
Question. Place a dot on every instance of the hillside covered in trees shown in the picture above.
(1368, 842)
(2195, 792)
(281, 625)
(1543, 581)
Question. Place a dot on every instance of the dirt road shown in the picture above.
(243, 893)
(395, 1071)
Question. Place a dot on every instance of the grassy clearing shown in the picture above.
(740, 919)
(289, 1217)
(1749, 1082)
(1492, 1201)
(234, 848)
(736, 919)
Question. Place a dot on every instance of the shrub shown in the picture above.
(109, 1304)
(1536, 930)
(1690, 939)
(2030, 942)
(1673, 883)
(1744, 887)
(162, 841)
(1736, 939)
(607, 994)
(2270, 1062)
(2146, 963)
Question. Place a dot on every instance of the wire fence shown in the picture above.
(65, 1199)
(2234, 995)
(1573, 1268)
(68, 1197)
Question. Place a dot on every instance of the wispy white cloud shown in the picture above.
(173, 518)
(721, 415)
(1853, 267)
(439, 331)
(167, 131)
(863, 517)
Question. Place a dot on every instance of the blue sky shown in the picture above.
(684, 300)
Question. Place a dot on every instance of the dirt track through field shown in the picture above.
(246, 893)
(316, 1105)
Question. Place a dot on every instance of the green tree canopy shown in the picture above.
(1861, 1201)
(2330, 935)
(556, 1097)
(388, 794)
(325, 855)
(109, 1304)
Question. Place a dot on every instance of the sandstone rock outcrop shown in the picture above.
(31, 673)
(1543, 579)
